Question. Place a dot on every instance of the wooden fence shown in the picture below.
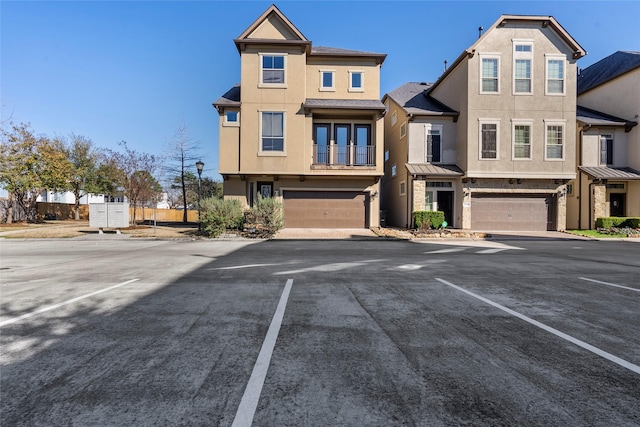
(48, 210)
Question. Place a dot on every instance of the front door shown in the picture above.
(616, 204)
(445, 204)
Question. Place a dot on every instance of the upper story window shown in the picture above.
(232, 118)
(555, 75)
(273, 69)
(394, 118)
(356, 81)
(433, 147)
(403, 130)
(554, 140)
(272, 131)
(606, 149)
(327, 80)
(490, 73)
(522, 66)
(489, 139)
(522, 140)
(394, 170)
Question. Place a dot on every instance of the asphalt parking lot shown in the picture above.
(318, 333)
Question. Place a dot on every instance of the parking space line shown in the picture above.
(609, 284)
(249, 402)
(615, 359)
(71, 301)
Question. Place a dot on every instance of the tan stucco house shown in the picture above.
(304, 125)
(608, 154)
(491, 142)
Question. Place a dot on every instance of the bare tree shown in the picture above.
(181, 159)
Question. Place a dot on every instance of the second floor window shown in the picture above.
(522, 141)
(326, 80)
(606, 149)
(272, 131)
(273, 69)
(555, 142)
(489, 141)
(489, 72)
(522, 66)
(434, 145)
(555, 76)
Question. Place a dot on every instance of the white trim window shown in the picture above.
(521, 139)
(554, 140)
(232, 118)
(489, 73)
(327, 81)
(272, 131)
(356, 81)
(555, 75)
(522, 67)
(403, 129)
(489, 138)
(272, 69)
(433, 143)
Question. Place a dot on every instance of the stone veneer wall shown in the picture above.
(600, 207)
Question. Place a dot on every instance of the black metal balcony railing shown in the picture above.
(344, 155)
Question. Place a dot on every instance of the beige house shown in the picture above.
(304, 125)
(491, 142)
(608, 155)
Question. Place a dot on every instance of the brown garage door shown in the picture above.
(325, 209)
(512, 212)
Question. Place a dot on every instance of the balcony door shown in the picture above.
(342, 138)
(362, 153)
(321, 134)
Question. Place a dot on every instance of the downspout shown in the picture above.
(580, 180)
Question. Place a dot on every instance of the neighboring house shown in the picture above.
(491, 142)
(304, 125)
(608, 181)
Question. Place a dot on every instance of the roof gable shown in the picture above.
(272, 25)
(545, 21)
(607, 69)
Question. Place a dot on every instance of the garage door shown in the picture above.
(325, 209)
(512, 212)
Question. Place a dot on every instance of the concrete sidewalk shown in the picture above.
(325, 233)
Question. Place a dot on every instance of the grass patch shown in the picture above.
(595, 233)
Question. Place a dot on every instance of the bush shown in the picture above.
(219, 215)
(267, 217)
(428, 219)
(618, 221)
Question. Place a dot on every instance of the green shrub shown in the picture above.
(428, 219)
(219, 215)
(267, 215)
(618, 221)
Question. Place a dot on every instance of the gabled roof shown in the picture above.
(607, 69)
(608, 172)
(414, 99)
(596, 118)
(231, 98)
(337, 52)
(545, 21)
(294, 36)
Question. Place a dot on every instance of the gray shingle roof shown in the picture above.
(334, 51)
(413, 98)
(355, 104)
(608, 172)
(607, 69)
(596, 118)
(230, 98)
(428, 169)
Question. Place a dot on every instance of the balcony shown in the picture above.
(344, 155)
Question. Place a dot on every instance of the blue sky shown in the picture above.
(133, 71)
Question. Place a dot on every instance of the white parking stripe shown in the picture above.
(249, 402)
(446, 251)
(589, 347)
(71, 301)
(609, 284)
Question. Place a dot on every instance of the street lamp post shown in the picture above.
(199, 166)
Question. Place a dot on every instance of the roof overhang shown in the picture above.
(436, 171)
(311, 104)
(604, 173)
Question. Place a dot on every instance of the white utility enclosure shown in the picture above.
(109, 215)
